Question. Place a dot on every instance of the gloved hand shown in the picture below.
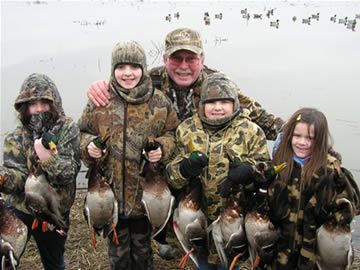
(242, 174)
(193, 166)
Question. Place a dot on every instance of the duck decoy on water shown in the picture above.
(168, 17)
(243, 11)
(306, 20)
(100, 207)
(41, 198)
(177, 15)
(219, 16)
(13, 237)
(261, 233)
(315, 16)
(156, 199)
(343, 21)
(275, 23)
(333, 239)
(333, 18)
(190, 225)
(257, 16)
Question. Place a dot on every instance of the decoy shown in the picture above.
(156, 199)
(294, 18)
(168, 18)
(100, 207)
(177, 15)
(315, 16)
(257, 16)
(13, 237)
(219, 16)
(343, 21)
(307, 21)
(275, 23)
(243, 11)
(333, 18)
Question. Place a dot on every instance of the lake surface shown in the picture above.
(285, 68)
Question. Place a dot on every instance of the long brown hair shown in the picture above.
(318, 159)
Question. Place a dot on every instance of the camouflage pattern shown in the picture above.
(298, 209)
(183, 39)
(243, 138)
(134, 250)
(61, 169)
(130, 117)
(187, 106)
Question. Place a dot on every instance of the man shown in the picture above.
(181, 78)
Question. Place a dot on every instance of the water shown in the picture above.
(284, 68)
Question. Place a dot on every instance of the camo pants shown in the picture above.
(134, 249)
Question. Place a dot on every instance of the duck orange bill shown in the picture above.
(93, 237)
(115, 237)
(184, 259)
(44, 226)
(257, 261)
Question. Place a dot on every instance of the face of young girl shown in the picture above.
(128, 76)
(302, 141)
(218, 109)
(38, 106)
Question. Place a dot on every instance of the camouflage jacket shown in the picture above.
(129, 126)
(61, 168)
(298, 209)
(186, 103)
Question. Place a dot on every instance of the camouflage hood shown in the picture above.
(130, 52)
(218, 86)
(39, 86)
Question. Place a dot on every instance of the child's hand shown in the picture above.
(154, 155)
(94, 151)
(41, 151)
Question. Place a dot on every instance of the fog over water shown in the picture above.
(285, 68)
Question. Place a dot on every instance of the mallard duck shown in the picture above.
(156, 199)
(275, 23)
(315, 16)
(190, 225)
(100, 207)
(307, 20)
(343, 21)
(257, 16)
(333, 18)
(43, 201)
(219, 16)
(13, 236)
(228, 232)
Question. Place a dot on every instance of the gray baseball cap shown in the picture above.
(183, 39)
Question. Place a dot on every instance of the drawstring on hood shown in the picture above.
(130, 52)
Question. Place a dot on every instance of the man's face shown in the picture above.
(184, 67)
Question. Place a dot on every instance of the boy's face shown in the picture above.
(38, 106)
(218, 109)
(184, 67)
(302, 141)
(128, 76)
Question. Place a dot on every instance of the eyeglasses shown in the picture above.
(190, 60)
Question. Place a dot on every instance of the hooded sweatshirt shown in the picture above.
(131, 116)
(60, 169)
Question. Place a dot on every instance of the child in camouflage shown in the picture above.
(311, 191)
(135, 112)
(41, 113)
(221, 126)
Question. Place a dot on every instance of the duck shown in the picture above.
(168, 17)
(306, 20)
(219, 16)
(228, 232)
(343, 21)
(275, 23)
(41, 198)
(243, 11)
(257, 16)
(13, 237)
(333, 18)
(294, 18)
(260, 231)
(246, 16)
(315, 16)
(334, 249)
(100, 206)
(207, 21)
(157, 199)
(190, 223)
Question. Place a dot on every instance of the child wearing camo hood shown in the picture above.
(135, 112)
(41, 113)
(219, 126)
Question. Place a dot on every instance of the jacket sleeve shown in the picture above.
(268, 122)
(87, 132)
(15, 164)
(167, 139)
(63, 167)
(174, 177)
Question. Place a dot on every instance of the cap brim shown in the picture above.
(190, 48)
